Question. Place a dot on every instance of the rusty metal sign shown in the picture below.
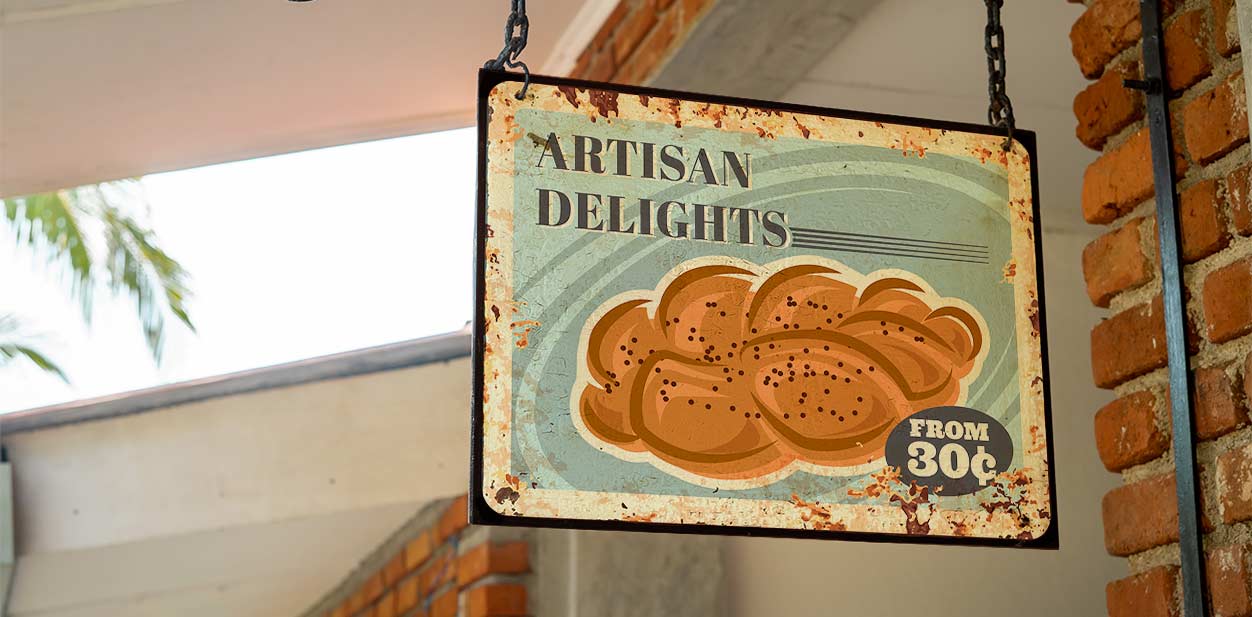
(709, 315)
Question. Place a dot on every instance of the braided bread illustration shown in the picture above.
(732, 371)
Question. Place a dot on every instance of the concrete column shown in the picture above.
(7, 553)
(759, 49)
(615, 574)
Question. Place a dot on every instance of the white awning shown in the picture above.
(93, 90)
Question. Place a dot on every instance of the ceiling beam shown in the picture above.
(753, 49)
(76, 9)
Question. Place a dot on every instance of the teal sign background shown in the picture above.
(564, 274)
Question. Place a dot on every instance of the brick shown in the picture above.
(1234, 484)
(1104, 29)
(356, 602)
(496, 601)
(632, 31)
(454, 519)
(394, 570)
(1120, 179)
(1140, 516)
(1128, 344)
(406, 594)
(1237, 193)
(1247, 378)
(445, 605)
(1217, 121)
(436, 573)
(1203, 226)
(1187, 50)
(610, 24)
(373, 587)
(1115, 262)
(1106, 106)
(1230, 594)
(1227, 299)
(386, 606)
(582, 65)
(418, 550)
(654, 49)
(602, 67)
(1219, 410)
(340, 611)
(693, 10)
(487, 558)
(1127, 433)
(1225, 27)
(1151, 594)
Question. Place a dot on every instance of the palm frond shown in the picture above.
(102, 227)
(12, 349)
(139, 268)
(50, 226)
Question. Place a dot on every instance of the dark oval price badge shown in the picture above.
(952, 450)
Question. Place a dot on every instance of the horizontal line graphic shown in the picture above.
(894, 246)
(836, 247)
(826, 232)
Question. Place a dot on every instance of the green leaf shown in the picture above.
(139, 268)
(49, 225)
(102, 227)
(11, 349)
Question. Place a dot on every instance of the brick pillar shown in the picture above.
(1209, 111)
(435, 566)
(637, 38)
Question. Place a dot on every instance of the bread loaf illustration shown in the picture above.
(734, 371)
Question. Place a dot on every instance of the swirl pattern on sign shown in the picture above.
(733, 371)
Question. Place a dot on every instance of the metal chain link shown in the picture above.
(516, 30)
(1000, 112)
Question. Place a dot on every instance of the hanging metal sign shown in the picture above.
(723, 316)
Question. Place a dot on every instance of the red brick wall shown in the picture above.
(436, 567)
(1121, 268)
(637, 38)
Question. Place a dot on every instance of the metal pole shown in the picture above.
(1190, 542)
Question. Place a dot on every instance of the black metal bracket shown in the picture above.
(1147, 86)
(1190, 532)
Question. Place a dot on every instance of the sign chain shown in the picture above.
(1000, 112)
(516, 30)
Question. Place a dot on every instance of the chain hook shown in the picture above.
(1000, 109)
(516, 31)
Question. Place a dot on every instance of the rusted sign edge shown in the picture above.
(482, 490)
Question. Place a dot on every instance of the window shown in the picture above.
(290, 257)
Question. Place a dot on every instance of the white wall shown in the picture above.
(250, 505)
(925, 58)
